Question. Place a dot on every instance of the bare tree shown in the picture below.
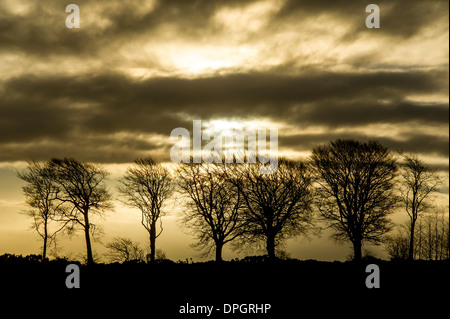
(40, 192)
(397, 245)
(146, 185)
(430, 237)
(81, 192)
(418, 181)
(435, 230)
(160, 255)
(124, 250)
(214, 206)
(355, 190)
(277, 206)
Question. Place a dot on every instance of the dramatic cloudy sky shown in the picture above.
(114, 89)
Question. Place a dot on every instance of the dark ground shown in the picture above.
(293, 288)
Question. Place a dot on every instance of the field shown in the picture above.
(291, 288)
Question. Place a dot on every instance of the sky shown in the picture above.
(114, 89)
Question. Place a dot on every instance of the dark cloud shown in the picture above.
(315, 98)
(47, 114)
(411, 142)
(24, 120)
(399, 19)
(369, 112)
(41, 30)
(94, 151)
(407, 18)
(189, 18)
(67, 109)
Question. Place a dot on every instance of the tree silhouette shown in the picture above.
(397, 245)
(418, 181)
(434, 234)
(82, 192)
(40, 192)
(277, 206)
(214, 206)
(430, 238)
(146, 185)
(123, 250)
(355, 190)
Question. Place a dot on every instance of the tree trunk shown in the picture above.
(87, 226)
(90, 259)
(219, 247)
(270, 245)
(357, 250)
(419, 246)
(152, 241)
(44, 250)
(448, 241)
(411, 241)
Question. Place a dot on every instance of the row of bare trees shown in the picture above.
(431, 238)
(351, 185)
(234, 202)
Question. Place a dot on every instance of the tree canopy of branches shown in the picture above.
(124, 250)
(418, 181)
(40, 192)
(81, 192)
(214, 206)
(355, 190)
(146, 185)
(277, 206)
(397, 245)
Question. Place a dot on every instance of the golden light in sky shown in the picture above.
(114, 89)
